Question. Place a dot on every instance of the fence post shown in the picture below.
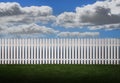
(23, 50)
(88, 52)
(28, 50)
(93, 46)
(37, 50)
(54, 51)
(109, 51)
(75, 45)
(5, 50)
(0, 51)
(26, 55)
(78, 48)
(17, 52)
(73, 51)
(49, 51)
(118, 55)
(97, 61)
(61, 45)
(14, 42)
(40, 50)
(112, 49)
(100, 50)
(67, 43)
(91, 58)
(69, 51)
(84, 51)
(20, 50)
(58, 52)
(11, 55)
(44, 51)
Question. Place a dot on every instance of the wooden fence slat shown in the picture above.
(60, 51)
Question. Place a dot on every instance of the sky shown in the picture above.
(59, 19)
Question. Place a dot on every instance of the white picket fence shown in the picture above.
(60, 51)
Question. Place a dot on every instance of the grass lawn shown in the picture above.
(60, 73)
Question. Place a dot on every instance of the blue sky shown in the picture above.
(58, 6)
(73, 23)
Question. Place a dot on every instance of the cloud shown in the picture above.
(10, 9)
(66, 19)
(18, 21)
(101, 13)
(78, 34)
(106, 27)
(14, 12)
(26, 29)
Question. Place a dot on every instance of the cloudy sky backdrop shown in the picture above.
(59, 18)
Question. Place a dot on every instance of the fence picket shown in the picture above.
(60, 51)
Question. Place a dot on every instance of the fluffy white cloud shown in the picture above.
(26, 29)
(78, 34)
(13, 12)
(38, 11)
(16, 20)
(67, 19)
(101, 13)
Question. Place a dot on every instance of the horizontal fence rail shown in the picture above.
(60, 51)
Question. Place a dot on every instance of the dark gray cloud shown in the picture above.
(10, 9)
(101, 13)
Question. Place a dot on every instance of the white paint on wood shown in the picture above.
(118, 51)
(73, 51)
(109, 51)
(60, 51)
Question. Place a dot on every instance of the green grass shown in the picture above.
(60, 73)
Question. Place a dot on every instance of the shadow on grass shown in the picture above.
(41, 79)
(59, 74)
